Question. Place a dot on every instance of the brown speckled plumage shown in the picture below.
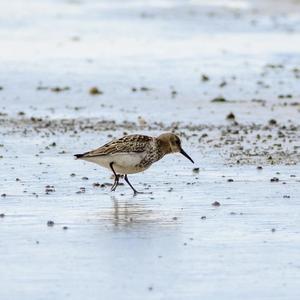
(133, 153)
(155, 153)
(128, 143)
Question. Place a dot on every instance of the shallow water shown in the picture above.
(173, 243)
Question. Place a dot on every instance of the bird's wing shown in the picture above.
(126, 144)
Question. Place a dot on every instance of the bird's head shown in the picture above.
(172, 144)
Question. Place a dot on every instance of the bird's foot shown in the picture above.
(116, 183)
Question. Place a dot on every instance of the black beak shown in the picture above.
(186, 155)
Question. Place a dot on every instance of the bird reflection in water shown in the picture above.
(127, 213)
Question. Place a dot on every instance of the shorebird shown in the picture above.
(133, 154)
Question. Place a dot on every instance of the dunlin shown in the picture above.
(133, 154)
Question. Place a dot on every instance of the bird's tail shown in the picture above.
(78, 155)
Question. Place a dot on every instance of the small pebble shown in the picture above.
(50, 223)
(144, 89)
(95, 91)
(272, 122)
(219, 99)
(204, 77)
(274, 179)
(230, 116)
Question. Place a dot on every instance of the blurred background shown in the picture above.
(161, 60)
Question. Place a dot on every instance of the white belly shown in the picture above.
(123, 163)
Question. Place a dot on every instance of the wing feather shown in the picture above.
(126, 144)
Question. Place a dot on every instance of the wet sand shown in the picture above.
(225, 76)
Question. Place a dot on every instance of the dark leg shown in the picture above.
(116, 182)
(134, 190)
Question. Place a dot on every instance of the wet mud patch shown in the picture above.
(267, 144)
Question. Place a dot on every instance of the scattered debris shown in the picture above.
(204, 78)
(50, 223)
(144, 89)
(95, 91)
(272, 122)
(274, 179)
(219, 100)
(222, 84)
(58, 89)
(49, 189)
(230, 116)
